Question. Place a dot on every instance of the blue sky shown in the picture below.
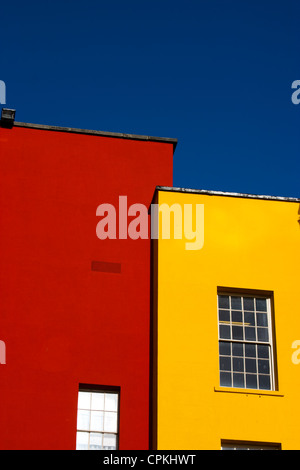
(215, 74)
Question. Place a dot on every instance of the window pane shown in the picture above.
(262, 334)
(263, 351)
(224, 331)
(84, 400)
(225, 363)
(237, 332)
(237, 349)
(82, 441)
(261, 305)
(261, 319)
(249, 303)
(238, 364)
(249, 318)
(251, 365)
(83, 420)
(250, 350)
(225, 379)
(237, 317)
(96, 441)
(238, 380)
(109, 442)
(111, 402)
(263, 366)
(224, 348)
(110, 421)
(97, 420)
(97, 401)
(264, 382)
(250, 333)
(223, 301)
(251, 381)
(236, 303)
(224, 315)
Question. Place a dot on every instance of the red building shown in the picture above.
(75, 310)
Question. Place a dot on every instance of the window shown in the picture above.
(249, 446)
(97, 420)
(245, 342)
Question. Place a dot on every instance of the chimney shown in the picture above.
(7, 118)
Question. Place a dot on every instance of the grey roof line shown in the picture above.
(228, 194)
(118, 135)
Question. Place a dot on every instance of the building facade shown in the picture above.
(74, 309)
(226, 323)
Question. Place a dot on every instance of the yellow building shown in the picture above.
(226, 322)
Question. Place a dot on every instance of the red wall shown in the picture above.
(63, 323)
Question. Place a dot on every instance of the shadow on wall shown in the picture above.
(299, 215)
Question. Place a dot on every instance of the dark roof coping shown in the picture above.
(99, 133)
(226, 194)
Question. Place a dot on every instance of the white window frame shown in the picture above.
(270, 343)
(90, 409)
(238, 445)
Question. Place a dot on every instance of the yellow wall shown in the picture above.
(249, 244)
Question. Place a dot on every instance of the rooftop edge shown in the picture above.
(227, 194)
(117, 135)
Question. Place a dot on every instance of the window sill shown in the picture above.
(249, 391)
